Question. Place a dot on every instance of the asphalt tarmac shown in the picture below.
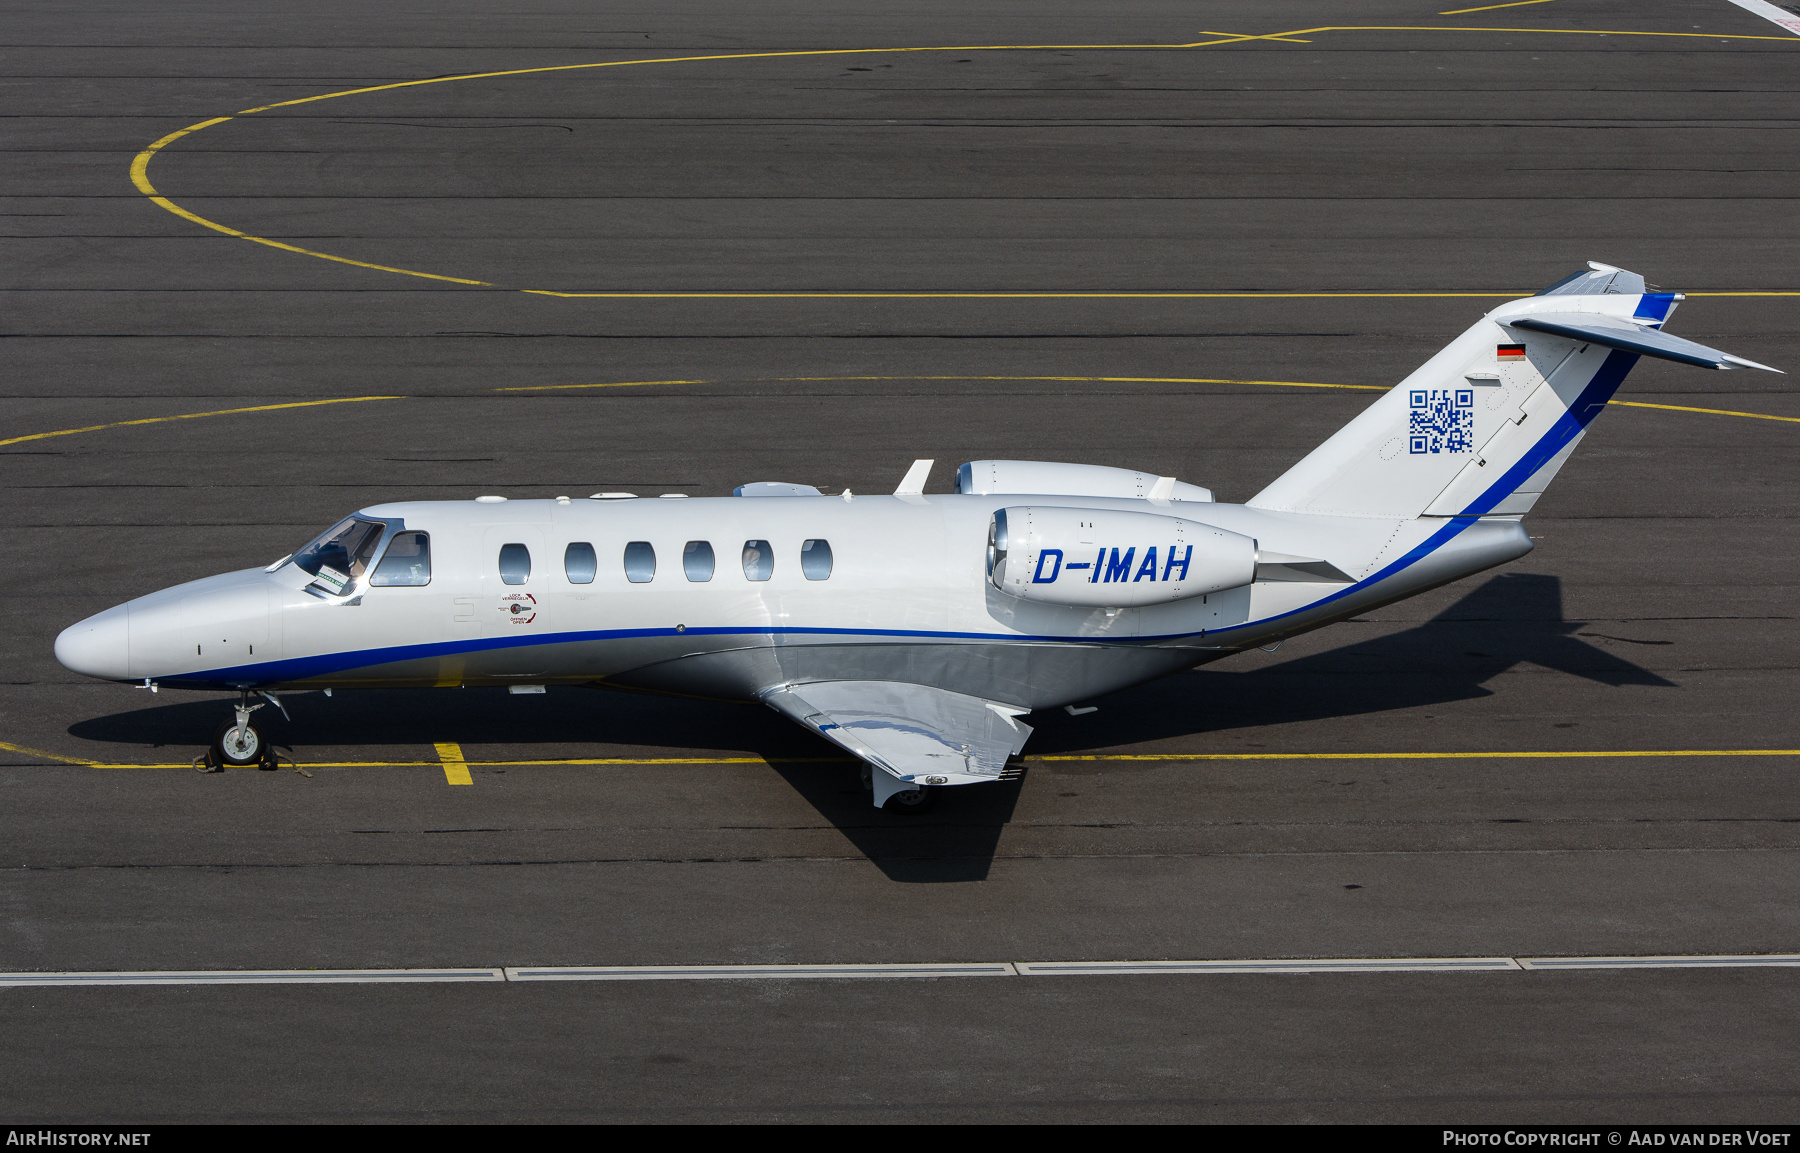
(815, 265)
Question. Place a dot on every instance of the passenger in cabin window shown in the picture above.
(759, 560)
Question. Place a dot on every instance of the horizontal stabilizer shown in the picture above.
(914, 733)
(1614, 332)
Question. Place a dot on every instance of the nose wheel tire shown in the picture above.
(239, 745)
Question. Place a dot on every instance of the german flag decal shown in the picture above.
(1509, 352)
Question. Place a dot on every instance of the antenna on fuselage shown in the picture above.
(913, 483)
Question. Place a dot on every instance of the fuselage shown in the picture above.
(741, 597)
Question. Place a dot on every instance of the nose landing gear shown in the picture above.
(241, 742)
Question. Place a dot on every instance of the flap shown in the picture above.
(910, 731)
(1623, 334)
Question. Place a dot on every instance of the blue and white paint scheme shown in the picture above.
(915, 630)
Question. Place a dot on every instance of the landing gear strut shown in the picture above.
(907, 802)
(241, 742)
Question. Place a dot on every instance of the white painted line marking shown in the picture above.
(254, 977)
(740, 972)
(1290, 965)
(1720, 961)
(968, 969)
(1773, 13)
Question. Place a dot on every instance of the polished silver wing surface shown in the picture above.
(911, 734)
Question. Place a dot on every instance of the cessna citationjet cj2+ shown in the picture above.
(915, 630)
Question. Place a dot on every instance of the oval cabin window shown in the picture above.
(697, 560)
(640, 562)
(815, 560)
(515, 564)
(759, 560)
(579, 564)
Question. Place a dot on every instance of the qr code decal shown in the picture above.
(1442, 420)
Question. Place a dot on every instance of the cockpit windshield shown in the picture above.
(341, 556)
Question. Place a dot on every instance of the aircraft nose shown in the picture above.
(98, 647)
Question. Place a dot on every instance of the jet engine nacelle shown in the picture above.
(1084, 556)
(1047, 478)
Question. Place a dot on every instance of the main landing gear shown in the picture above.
(241, 742)
(907, 802)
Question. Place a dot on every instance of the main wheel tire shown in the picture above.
(912, 802)
(239, 748)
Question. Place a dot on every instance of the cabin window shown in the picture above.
(815, 560)
(340, 556)
(759, 560)
(640, 562)
(697, 560)
(579, 564)
(406, 562)
(515, 564)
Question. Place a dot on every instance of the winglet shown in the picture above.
(913, 483)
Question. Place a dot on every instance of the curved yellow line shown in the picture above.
(1552, 31)
(140, 164)
(194, 416)
(1491, 7)
(31, 752)
(1708, 411)
(140, 176)
(608, 384)
(1012, 295)
(825, 379)
(1103, 379)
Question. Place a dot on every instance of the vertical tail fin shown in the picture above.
(1484, 425)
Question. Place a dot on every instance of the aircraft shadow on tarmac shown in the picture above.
(1507, 620)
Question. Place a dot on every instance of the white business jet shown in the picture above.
(914, 630)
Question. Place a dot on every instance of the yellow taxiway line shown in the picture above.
(828, 379)
(1491, 7)
(456, 769)
(194, 416)
(1708, 411)
(140, 164)
(456, 766)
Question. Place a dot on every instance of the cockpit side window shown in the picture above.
(339, 558)
(407, 561)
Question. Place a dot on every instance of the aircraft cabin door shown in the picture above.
(517, 571)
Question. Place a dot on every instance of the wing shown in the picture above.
(913, 734)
